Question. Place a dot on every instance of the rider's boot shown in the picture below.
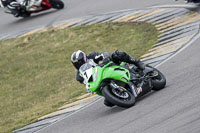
(137, 63)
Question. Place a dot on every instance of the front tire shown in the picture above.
(57, 4)
(107, 103)
(112, 98)
(159, 81)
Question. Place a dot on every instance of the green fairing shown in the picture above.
(112, 72)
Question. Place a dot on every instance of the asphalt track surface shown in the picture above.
(73, 9)
(174, 109)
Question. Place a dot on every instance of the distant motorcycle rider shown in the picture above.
(28, 5)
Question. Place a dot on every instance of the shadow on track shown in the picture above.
(35, 16)
(112, 110)
(116, 109)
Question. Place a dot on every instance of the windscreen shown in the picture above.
(86, 72)
(85, 67)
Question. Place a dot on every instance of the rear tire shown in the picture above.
(159, 81)
(112, 98)
(57, 4)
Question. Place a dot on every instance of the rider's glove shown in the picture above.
(99, 57)
(105, 61)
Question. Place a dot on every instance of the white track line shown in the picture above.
(179, 51)
(70, 114)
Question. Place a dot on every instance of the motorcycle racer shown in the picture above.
(79, 58)
(27, 5)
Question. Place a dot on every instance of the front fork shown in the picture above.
(132, 88)
(113, 85)
(137, 90)
(119, 91)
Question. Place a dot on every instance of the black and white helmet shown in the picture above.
(14, 5)
(3, 3)
(78, 58)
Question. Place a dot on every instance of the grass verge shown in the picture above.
(37, 77)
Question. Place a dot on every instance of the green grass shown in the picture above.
(37, 77)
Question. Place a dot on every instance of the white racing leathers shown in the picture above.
(33, 5)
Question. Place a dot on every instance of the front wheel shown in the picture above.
(57, 4)
(159, 81)
(123, 99)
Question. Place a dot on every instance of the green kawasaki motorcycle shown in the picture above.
(121, 84)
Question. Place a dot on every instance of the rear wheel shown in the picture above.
(159, 81)
(123, 99)
(57, 4)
